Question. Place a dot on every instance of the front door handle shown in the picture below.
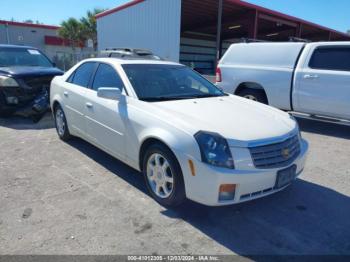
(89, 105)
(311, 76)
(65, 93)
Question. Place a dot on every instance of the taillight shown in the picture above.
(218, 75)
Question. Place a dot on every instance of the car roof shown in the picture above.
(16, 46)
(118, 49)
(127, 61)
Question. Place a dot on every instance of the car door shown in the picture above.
(323, 86)
(74, 92)
(104, 117)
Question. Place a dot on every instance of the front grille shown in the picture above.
(276, 155)
(256, 194)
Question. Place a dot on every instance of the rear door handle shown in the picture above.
(65, 93)
(89, 105)
(311, 76)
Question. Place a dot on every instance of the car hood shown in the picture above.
(20, 71)
(241, 121)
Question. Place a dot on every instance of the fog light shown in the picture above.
(12, 100)
(227, 192)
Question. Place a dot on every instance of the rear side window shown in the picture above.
(107, 76)
(331, 58)
(82, 75)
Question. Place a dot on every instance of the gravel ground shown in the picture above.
(59, 198)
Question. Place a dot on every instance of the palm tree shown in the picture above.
(72, 31)
(89, 26)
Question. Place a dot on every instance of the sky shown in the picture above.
(333, 14)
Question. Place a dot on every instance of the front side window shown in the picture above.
(106, 76)
(168, 82)
(10, 57)
(82, 75)
(331, 58)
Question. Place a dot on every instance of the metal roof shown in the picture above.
(284, 16)
(51, 27)
(201, 16)
(198, 13)
(119, 8)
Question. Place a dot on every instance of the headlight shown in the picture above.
(8, 81)
(214, 149)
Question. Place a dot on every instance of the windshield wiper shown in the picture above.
(210, 95)
(165, 98)
(168, 98)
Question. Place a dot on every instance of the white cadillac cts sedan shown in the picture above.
(188, 138)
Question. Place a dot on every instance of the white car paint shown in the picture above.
(121, 127)
(283, 71)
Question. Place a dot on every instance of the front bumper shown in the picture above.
(251, 183)
(27, 103)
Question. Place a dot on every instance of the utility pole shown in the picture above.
(218, 34)
(7, 33)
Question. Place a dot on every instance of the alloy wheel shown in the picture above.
(60, 122)
(160, 176)
(251, 97)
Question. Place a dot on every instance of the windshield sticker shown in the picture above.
(33, 52)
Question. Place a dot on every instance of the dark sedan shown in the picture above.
(25, 77)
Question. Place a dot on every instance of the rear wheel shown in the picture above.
(257, 95)
(163, 176)
(61, 124)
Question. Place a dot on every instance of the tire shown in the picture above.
(61, 124)
(172, 192)
(254, 94)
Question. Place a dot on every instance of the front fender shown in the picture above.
(55, 93)
(176, 140)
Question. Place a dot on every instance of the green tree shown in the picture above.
(72, 30)
(89, 26)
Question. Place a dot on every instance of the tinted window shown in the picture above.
(106, 76)
(82, 75)
(331, 58)
(70, 79)
(23, 57)
(168, 82)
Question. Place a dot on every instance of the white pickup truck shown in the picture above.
(308, 78)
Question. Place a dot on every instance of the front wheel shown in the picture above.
(163, 176)
(61, 124)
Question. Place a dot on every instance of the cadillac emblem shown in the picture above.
(285, 153)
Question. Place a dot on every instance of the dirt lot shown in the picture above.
(59, 198)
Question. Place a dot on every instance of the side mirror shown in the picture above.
(112, 93)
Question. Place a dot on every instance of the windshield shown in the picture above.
(168, 82)
(23, 57)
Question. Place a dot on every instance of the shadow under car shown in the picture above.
(306, 218)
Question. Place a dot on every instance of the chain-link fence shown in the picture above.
(65, 60)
